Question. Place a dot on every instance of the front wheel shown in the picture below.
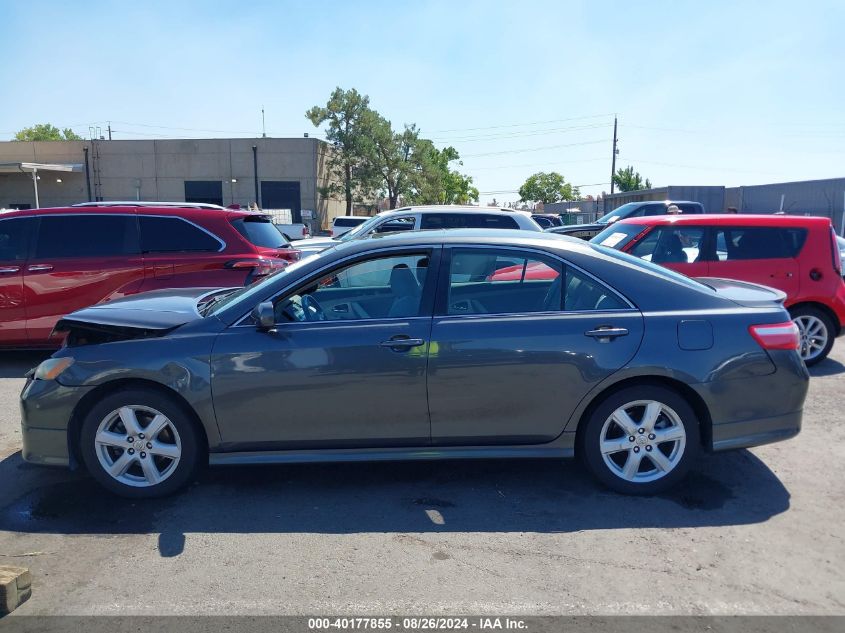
(139, 443)
(816, 334)
(641, 440)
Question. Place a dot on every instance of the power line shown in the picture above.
(534, 149)
(559, 162)
(488, 193)
(507, 135)
(497, 127)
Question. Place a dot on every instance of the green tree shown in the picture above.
(397, 159)
(46, 132)
(629, 180)
(350, 126)
(435, 182)
(547, 187)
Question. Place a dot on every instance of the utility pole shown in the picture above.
(613, 162)
(109, 122)
(263, 128)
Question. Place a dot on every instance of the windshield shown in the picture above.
(253, 289)
(618, 214)
(361, 229)
(617, 235)
(260, 231)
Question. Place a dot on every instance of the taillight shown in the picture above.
(776, 335)
(837, 256)
(259, 266)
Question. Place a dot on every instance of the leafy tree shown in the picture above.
(436, 182)
(351, 123)
(629, 180)
(547, 187)
(46, 132)
(397, 158)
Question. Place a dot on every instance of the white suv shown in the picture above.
(345, 223)
(428, 217)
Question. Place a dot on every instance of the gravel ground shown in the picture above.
(751, 532)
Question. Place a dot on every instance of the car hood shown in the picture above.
(314, 244)
(139, 316)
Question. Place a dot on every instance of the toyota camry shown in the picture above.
(422, 345)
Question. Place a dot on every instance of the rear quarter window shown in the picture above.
(175, 235)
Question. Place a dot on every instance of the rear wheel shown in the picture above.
(139, 443)
(641, 440)
(816, 333)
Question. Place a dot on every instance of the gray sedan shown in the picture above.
(422, 345)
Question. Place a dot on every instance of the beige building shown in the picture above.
(278, 173)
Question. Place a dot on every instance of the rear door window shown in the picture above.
(86, 236)
(175, 235)
(15, 238)
(498, 281)
(478, 220)
(759, 242)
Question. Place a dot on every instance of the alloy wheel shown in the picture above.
(642, 441)
(138, 446)
(813, 335)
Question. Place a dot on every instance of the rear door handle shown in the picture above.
(402, 343)
(605, 334)
(10, 269)
(39, 268)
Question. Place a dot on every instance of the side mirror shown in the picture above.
(264, 316)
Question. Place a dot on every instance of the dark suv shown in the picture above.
(630, 210)
(55, 261)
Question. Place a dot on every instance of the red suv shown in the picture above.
(55, 261)
(795, 254)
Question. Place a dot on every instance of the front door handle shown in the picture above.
(404, 342)
(39, 268)
(10, 269)
(605, 334)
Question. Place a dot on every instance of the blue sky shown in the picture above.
(706, 92)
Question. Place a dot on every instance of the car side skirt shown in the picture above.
(562, 448)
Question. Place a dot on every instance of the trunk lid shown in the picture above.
(744, 293)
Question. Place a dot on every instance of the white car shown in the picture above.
(427, 217)
(345, 223)
(292, 232)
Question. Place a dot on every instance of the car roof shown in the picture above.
(167, 209)
(451, 208)
(666, 202)
(492, 237)
(720, 219)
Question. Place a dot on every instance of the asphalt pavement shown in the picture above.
(752, 531)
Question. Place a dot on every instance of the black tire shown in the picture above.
(590, 439)
(830, 331)
(186, 441)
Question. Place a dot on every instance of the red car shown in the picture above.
(796, 254)
(55, 261)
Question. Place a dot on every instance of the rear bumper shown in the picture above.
(760, 409)
(756, 432)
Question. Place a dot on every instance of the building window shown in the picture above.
(206, 191)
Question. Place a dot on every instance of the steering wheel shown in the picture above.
(313, 310)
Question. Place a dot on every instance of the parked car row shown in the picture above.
(451, 323)
(645, 367)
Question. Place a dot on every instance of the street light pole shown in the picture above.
(35, 186)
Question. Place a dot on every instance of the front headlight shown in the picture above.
(51, 368)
